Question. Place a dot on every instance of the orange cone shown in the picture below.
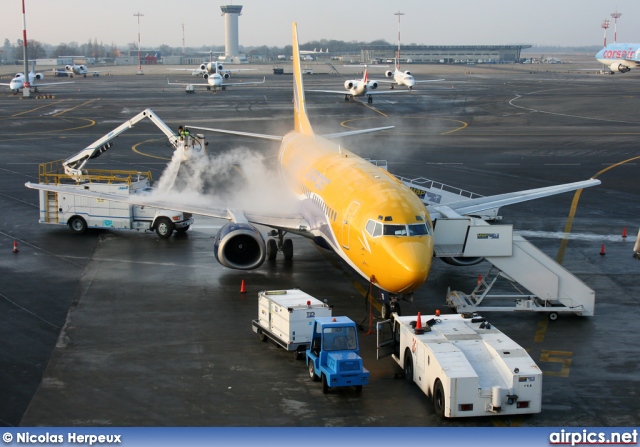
(624, 232)
(242, 288)
(437, 312)
(602, 253)
(418, 328)
(15, 246)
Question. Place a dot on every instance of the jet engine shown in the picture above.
(348, 85)
(239, 246)
(372, 85)
(226, 75)
(388, 74)
(83, 68)
(203, 67)
(68, 67)
(462, 262)
(205, 75)
(408, 73)
(39, 76)
(617, 66)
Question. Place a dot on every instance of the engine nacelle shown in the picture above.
(239, 246)
(462, 262)
(408, 73)
(203, 67)
(372, 85)
(617, 66)
(68, 67)
(205, 76)
(226, 75)
(388, 74)
(83, 68)
(348, 85)
(39, 76)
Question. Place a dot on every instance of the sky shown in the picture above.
(268, 22)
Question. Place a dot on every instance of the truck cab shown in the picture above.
(334, 354)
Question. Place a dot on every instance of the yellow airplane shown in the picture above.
(366, 215)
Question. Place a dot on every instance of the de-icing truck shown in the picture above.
(69, 207)
(463, 363)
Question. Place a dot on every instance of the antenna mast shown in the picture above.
(398, 14)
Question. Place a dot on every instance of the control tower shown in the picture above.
(231, 46)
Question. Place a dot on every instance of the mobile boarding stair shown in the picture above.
(552, 288)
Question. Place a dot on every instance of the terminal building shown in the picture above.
(443, 54)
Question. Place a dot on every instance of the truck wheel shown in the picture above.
(325, 385)
(553, 316)
(272, 249)
(408, 366)
(358, 389)
(78, 225)
(385, 311)
(287, 249)
(438, 398)
(164, 228)
(312, 372)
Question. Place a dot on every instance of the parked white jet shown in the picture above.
(78, 69)
(19, 81)
(215, 82)
(403, 78)
(357, 87)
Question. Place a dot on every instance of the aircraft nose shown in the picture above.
(413, 262)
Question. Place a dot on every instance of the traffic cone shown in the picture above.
(418, 328)
(15, 246)
(602, 253)
(437, 312)
(624, 232)
(242, 288)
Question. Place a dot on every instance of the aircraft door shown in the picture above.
(346, 223)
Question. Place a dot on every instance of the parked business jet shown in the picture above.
(79, 70)
(357, 87)
(364, 214)
(215, 82)
(403, 78)
(19, 80)
(620, 57)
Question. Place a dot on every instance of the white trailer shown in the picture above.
(80, 212)
(286, 317)
(463, 363)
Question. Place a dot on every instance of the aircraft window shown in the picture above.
(378, 230)
(419, 219)
(395, 230)
(418, 229)
(370, 226)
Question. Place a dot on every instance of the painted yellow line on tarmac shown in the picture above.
(49, 104)
(79, 105)
(134, 148)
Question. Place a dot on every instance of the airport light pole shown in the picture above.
(138, 15)
(616, 15)
(605, 25)
(26, 85)
(398, 14)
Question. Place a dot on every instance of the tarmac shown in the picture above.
(121, 328)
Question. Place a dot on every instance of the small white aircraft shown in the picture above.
(403, 78)
(79, 70)
(20, 81)
(357, 87)
(215, 82)
(213, 67)
(315, 51)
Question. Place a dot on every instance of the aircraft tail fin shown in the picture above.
(301, 121)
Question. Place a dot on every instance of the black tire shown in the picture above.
(78, 225)
(438, 398)
(287, 249)
(312, 372)
(553, 316)
(385, 311)
(325, 385)
(370, 100)
(272, 249)
(358, 389)
(183, 229)
(408, 366)
(164, 227)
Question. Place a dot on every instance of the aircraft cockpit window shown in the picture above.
(418, 229)
(395, 230)
(378, 230)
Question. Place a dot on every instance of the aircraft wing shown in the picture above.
(204, 84)
(473, 206)
(346, 92)
(194, 71)
(294, 223)
(329, 136)
(429, 80)
(226, 84)
(42, 84)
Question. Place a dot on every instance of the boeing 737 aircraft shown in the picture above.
(357, 87)
(18, 82)
(364, 214)
(620, 57)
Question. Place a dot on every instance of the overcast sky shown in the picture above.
(268, 22)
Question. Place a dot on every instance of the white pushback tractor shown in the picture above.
(463, 363)
(80, 212)
(286, 317)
